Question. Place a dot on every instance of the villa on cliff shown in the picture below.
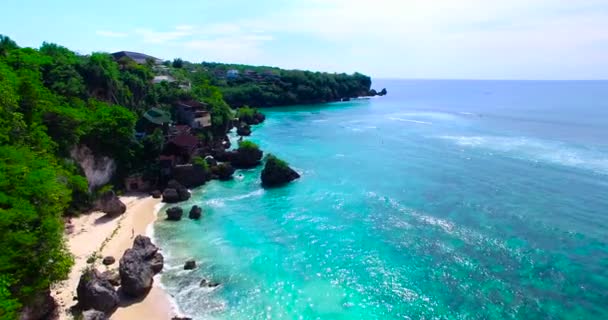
(193, 114)
(139, 58)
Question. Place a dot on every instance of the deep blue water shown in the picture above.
(442, 200)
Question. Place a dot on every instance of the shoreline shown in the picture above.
(94, 233)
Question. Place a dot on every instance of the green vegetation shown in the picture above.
(51, 101)
(245, 113)
(269, 86)
(248, 145)
(276, 161)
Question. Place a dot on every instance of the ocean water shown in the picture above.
(442, 200)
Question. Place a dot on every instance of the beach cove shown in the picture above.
(94, 231)
(460, 204)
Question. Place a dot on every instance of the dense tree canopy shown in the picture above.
(267, 86)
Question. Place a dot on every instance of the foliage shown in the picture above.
(267, 86)
(32, 200)
(244, 113)
(199, 161)
(270, 158)
(248, 145)
(178, 63)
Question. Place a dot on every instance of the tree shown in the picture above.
(32, 200)
(178, 63)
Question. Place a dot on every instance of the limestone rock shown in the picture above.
(96, 292)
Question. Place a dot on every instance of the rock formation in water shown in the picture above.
(276, 172)
(195, 213)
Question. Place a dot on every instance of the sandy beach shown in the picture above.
(94, 233)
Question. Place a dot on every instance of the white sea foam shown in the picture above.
(538, 150)
(410, 120)
(220, 202)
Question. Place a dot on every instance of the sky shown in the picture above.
(420, 39)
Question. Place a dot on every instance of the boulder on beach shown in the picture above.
(189, 265)
(277, 172)
(144, 246)
(110, 204)
(138, 266)
(156, 194)
(157, 262)
(94, 315)
(109, 260)
(136, 275)
(40, 306)
(195, 212)
(96, 292)
(170, 196)
(112, 276)
(174, 213)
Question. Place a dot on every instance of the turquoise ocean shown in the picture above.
(441, 200)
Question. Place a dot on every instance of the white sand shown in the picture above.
(90, 233)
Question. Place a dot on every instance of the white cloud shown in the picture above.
(410, 38)
(111, 34)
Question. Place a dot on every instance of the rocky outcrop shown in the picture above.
(210, 161)
(195, 212)
(372, 92)
(110, 204)
(157, 262)
(170, 196)
(276, 172)
(246, 158)
(243, 129)
(135, 274)
(190, 175)
(175, 192)
(223, 171)
(156, 194)
(174, 213)
(189, 265)
(138, 266)
(254, 119)
(94, 315)
(382, 92)
(208, 284)
(96, 292)
(181, 318)
(41, 306)
(109, 260)
(112, 276)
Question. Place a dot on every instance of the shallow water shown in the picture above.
(444, 199)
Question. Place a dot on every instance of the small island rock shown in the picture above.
(195, 212)
(174, 213)
(189, 265)
(276, 172)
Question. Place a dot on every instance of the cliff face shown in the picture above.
(98, 170)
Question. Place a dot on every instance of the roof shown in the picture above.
(157, 116)
(159, 79)
(192, 103)
(136, 56)
(185, 140)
